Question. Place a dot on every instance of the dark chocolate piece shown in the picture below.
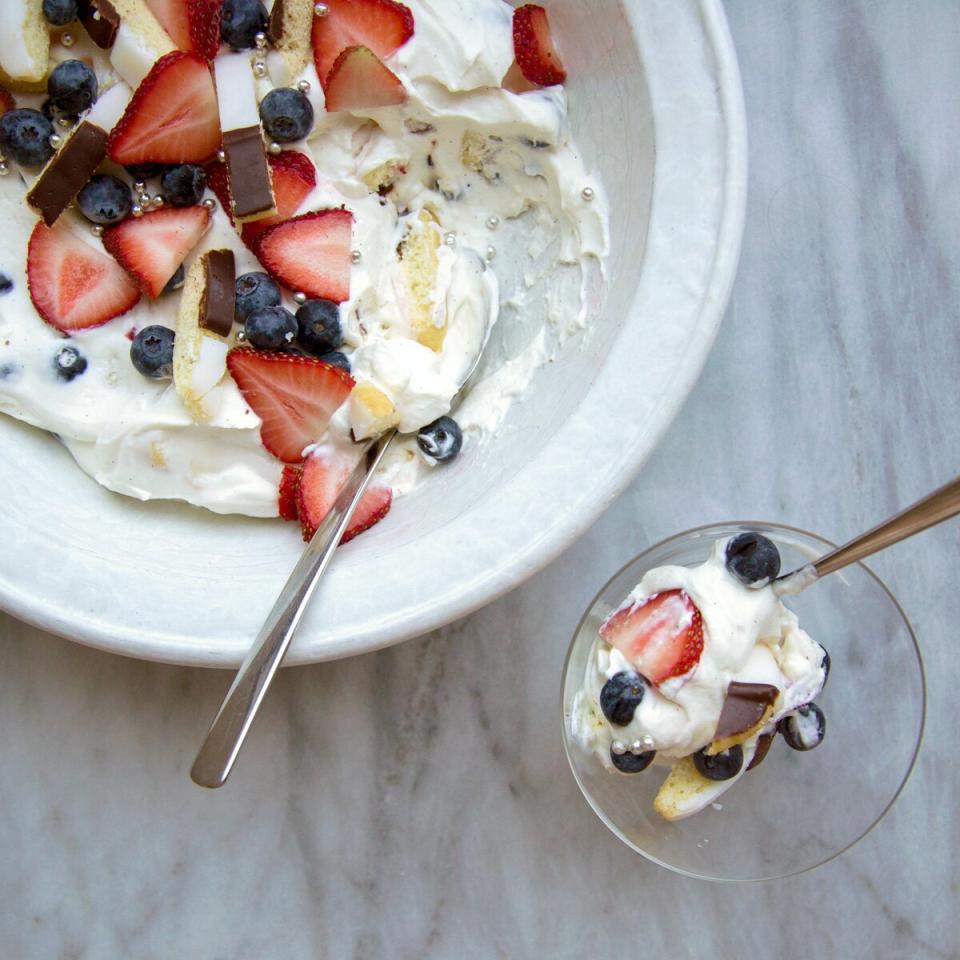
(67, 172)
(101, 20)
(219, 292)
(275, 24)
(250, 185)
(763, 745)
(744, 707)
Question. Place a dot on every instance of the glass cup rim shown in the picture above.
(748, 524)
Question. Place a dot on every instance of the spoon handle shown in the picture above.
(230, 726)
(939, 505)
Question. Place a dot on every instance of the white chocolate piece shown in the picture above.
(108, 110)
(236, 94)
(133, 55)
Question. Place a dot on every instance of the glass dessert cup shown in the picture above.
(794, 811)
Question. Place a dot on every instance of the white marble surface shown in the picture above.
(416, 803)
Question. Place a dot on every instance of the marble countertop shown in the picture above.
(416, 803)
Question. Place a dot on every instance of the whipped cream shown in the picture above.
(496, 171)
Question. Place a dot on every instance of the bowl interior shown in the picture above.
(794, 811)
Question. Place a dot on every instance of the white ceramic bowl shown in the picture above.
(657, 108)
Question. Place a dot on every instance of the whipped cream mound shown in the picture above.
(749, 637)
(495, 174)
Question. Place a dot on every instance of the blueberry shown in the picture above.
(25, 137)
(804, 728)
(336, 359)
(141, 172)
(176, 281)
(152, 352)
(441, 440)
(241, 21)
(286, 115)
(720, 766)
(620, 697)
(632, 762)
(72, 87)
(69, 362)
(254, 291)
(825, 663)
(753, 559)
(6, 284)
(58, 13)
(271, 328)
(182, 186)
(318, 327)
(105, 199)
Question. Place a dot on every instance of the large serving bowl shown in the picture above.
(656, 107)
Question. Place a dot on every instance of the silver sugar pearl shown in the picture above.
(260, 40)
(618, 747)
(64, 122)
(139, 187)
(648, 742)
(259, 69)
(274, 148)
(493, 223)
(587, 193)
(636, 747)
(55, 140)
(4, 168)
(210, 203)
(450, 239)
(355, 256)
(137, 210)
(491, 252)
(300, 298)
(303, 86)
(143, 199)
(157, 201)
(321, 9)
(241, 335)
(66, 39)
(97, 230)
(221, 156)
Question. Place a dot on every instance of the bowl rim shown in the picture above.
(705, 529)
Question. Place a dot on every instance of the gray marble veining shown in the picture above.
(416, 803)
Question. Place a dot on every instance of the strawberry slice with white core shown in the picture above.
(382, 25)
(359, 80)
(218, 180)
(662, 637)
(533, 46)
(193, 25)
(287, 492)
(325, 473)
(151, 248)
(294, 176)
(515, 81)
(310, 254)
(172, 117)
(72, 285)
(294, 397)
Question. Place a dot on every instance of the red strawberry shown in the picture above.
(72, 285)
(324, 475)
(294, 396)
(287, 492)
(662, 637)
(514, 80)
(193, 25)
(310, 253)
(359, 80)
(6, 101)
(218, 180)
(294, 176)
(533, 46)
(151, 248)
(381, 25)
(173, 116)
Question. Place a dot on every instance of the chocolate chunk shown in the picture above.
(101, 21)
(744, 707)
(275, 24)
(763, 745)
(250, 186)
(68, 170)
(219, 291)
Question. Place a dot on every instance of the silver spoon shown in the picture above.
(940, 505)
(230, 726)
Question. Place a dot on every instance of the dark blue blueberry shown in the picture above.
(105, 199)
(25, 137)
(69, 362)
(286, 115)
(182, 186)
(6, 284)
(337, 359)
(620, 697)
(632, 762)
(803, 729)
(720, 766)
(241, 21)
(141, 172)
(318, 327)
(441, 440)
(72, 87)
(176, 281)
(152, 352)
(753, 559)
(825, 663)
(58, 13)
(254, 292)
(271, 328)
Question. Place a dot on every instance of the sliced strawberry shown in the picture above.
(6, 101)
(193, 25)
(514, 80)
(310, 254)
(218, 180)
(533, 46)
(151, 248)
(359, 80)
(294, 396)
(72, 285)
(381, 25)
(662, 637)
(294, 176)
(172, 117)
(287, 492)
(325, 473)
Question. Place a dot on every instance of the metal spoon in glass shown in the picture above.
(230, 726)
